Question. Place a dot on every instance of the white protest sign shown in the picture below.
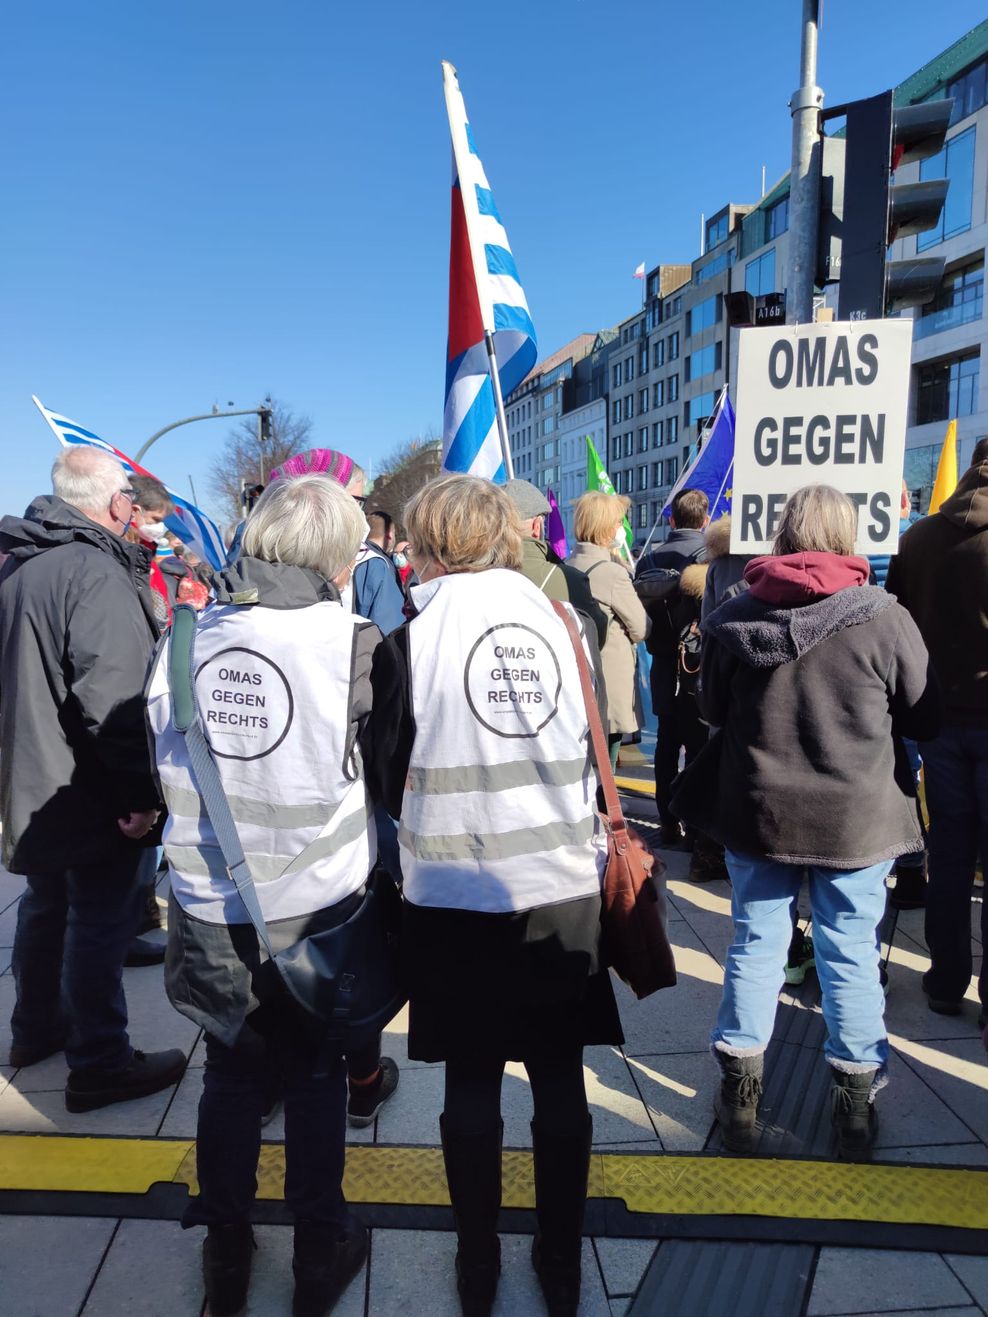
(821, 404)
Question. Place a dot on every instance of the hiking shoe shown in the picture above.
(909, 892)
(25, 1054)
(366, 1100)
(800, 960)
(146, 949)
(853, 1114)
(325, 1262)
(144, 1073)
(736, 1103)
(227, 1252)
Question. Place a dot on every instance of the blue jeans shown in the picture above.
(271, 1051)
(956, 765)
(847, 905)
(73, 931)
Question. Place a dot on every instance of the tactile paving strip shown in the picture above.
(653, 1183)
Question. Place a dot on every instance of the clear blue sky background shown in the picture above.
(207, 200)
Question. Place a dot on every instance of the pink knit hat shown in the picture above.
(318, 461)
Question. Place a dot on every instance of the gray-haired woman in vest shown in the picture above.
(480, 740)
(282, 683)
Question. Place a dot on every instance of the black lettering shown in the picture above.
(776, 502)
(866, 345)
(537, 697)
(818, 451)
(859, 500)
(811, 359)
(872, 437)
(766, 454)
(751, 514)
(840, 365)
(782, 347)
(263, 724)
(844, 440)
(881, 518)
(492, 697)
(792, 433)
(211, 716)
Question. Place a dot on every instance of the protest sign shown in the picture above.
(821, 404)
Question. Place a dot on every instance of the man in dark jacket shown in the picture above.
(940, 574)
(76, 790)
(657, 582)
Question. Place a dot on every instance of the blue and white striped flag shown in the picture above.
(485, 296)
(191, 525)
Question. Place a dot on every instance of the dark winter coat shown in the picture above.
(76, 633)
(941, 575)
(558, 580)
(811, 699)
(725, 570)
(681, 548)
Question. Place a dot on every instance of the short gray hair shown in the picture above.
(817, 519)
(87, 478)
(358, 476)
(307, 522)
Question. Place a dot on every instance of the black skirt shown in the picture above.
(506, 985)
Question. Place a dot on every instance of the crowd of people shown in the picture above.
(376, 711)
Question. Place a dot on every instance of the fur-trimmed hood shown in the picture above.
(692, 580)
(717, 538)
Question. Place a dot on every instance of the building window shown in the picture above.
(629, 369)
(717, 230)
(636, 329)
(672, 429)
(673, 346)
(969, 91)
(615, 448)
(672, 470)
(642, 478)
(956, 162)
(658, 394)
(629, 443)
(759, 275)
(616, 410)
(616, 376)
(672, 388)
(643, 439)
(643, 360)
(675, 306)
(777, 219)
(959, 301)
(629, 406)
(702, 362)
(947, 389)
(656, 473)
(703, 315)
(642, 515)
(717, 266)
(700, 408)
(642, 401)
(658, 353)
(657, 435)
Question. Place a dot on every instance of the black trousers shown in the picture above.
(473, 1093)
(679, 726)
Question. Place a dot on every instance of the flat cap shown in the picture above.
(529, 500)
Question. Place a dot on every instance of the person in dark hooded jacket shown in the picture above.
(76, 790)
(811, 675)
(940, 575)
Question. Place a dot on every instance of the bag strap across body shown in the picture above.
(615, 815)
(185, 717)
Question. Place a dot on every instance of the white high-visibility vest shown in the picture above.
(273, 687)
(499, 810)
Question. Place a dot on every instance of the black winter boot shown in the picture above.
(324, 1264)
(562, 1165)
(227, 1252)
(473, 1173)
(854, 1117)
(736, 1105)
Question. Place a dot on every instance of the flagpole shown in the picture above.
(502, 422)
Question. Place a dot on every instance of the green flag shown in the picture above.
(597, 478)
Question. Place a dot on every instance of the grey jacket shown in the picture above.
(76, 632)
(811, 702)
(611, 586)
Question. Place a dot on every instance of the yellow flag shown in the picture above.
(946, 481)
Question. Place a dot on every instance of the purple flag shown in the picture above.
(555, 531)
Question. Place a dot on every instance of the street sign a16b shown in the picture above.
(770, 309)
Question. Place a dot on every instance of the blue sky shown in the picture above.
(216, 200)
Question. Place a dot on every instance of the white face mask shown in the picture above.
(400, 560)
(619, 540)
(154, 530)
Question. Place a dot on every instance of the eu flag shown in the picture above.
(713, 469)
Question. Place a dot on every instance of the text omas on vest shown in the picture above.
(844, 439)
(515, 674)
(249, 699)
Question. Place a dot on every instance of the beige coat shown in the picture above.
(627, 623)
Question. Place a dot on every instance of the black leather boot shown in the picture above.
(736, 1104)
(324, 1264)
(473, 1173)
(227, 1252)
(562, 1166)
(853, 1114)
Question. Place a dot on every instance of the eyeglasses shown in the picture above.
(129, 493)
(359, 499)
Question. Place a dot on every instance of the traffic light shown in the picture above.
(862, 212)
(265, 414)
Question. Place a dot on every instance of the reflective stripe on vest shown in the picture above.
(273, 687)
(499, 808)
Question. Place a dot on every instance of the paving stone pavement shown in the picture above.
(652, 1095)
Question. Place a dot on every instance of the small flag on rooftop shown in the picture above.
(191, 525)
(488, 312)
(639, 271)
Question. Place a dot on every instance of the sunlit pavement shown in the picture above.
(652, 1096)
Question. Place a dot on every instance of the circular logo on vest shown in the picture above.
(513, 680)
(245, 702)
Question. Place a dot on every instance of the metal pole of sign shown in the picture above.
(502, 422)
(804, 203)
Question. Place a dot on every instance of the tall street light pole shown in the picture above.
(804, 201)
(206, 416)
